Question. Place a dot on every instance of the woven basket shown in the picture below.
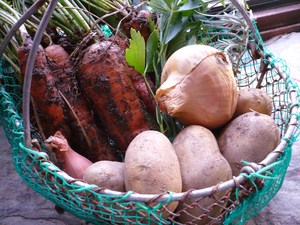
(250, 191)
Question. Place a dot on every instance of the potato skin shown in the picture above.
(107, 174)
(201, 165)
(249, 137)
(253, 99)
(151, 166)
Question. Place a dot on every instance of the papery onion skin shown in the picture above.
(198, 87)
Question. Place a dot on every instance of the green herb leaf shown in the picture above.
(160, 6)
(189, 5)
(187, 36)
(136, 53)
(152, 46)
(175, 27)
(152, 24)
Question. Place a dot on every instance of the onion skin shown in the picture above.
(198, 87)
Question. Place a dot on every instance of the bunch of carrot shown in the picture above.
(98, 104)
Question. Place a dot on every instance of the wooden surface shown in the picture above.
(273, 21)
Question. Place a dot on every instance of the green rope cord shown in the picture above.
(106, 30)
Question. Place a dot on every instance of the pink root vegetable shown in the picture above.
(69, 161)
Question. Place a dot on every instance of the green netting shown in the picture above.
(258, 200)
(101, 206)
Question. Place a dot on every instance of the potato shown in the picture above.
(110, 175)
(151, 166)
(107, 174)
(249, 137)
(253, 99)
(201, 165)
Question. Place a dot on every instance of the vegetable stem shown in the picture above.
(10, 9)
(62, 13)
(76, 15)
(12, 64)
(21, 20)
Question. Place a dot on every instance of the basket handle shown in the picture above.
(29, 70)
(242, 9)
(245, 14)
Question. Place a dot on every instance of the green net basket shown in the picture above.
(250, 192)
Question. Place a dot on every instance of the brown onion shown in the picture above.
(198, 87)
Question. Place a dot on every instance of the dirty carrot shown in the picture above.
(87, 137)
(103, 80)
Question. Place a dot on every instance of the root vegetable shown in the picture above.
(253, 99)
(86, 138)
(46, 96)
(139, 20)
(109, 175)
(104, 81)
(249, 137)
(138, 81)
(198, 87)
(152, 167)
(142, 90)
(201, 166)
(106, 174)
(70, 161)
